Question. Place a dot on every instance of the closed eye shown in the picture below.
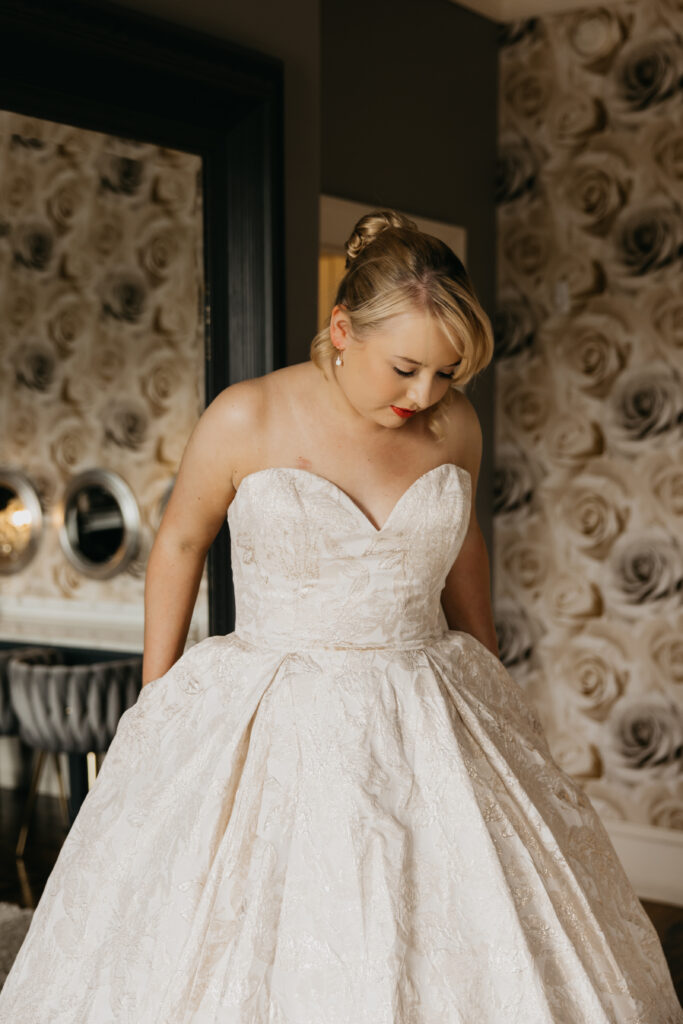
(409, 373)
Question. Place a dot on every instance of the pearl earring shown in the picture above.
(339, 361)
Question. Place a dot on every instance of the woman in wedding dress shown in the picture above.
(345, 811)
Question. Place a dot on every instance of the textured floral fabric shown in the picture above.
(341, 813)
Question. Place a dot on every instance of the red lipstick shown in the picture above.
(405, 413)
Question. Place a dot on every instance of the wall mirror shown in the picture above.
(21, 520)
(99, 523)
(136, 78)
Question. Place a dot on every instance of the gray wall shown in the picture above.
(289, 32)
(408, 101)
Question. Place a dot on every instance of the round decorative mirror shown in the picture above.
(100, 523)
(21, 520)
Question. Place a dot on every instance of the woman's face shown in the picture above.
(406, 364)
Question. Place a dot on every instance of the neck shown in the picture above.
(337, 406)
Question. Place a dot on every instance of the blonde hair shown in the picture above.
(391, 267)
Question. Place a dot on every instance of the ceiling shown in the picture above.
(512, 10)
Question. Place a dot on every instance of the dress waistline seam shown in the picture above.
(293, 647)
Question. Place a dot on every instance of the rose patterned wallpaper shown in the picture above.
(589, 350)
(101, 328)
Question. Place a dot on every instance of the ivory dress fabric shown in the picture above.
(341, 813)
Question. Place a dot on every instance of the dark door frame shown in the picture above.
(96, 66)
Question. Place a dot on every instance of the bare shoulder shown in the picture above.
(204, 486)
(252, 395)
(464, 435)
(259, 402)
(228, 441)
(238, 409)
(247, 414)
(289, 381)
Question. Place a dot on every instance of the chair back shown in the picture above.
(71, 708)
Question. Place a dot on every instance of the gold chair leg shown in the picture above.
(26, 890)
(91, 760)
(38, 758)
(62, 791)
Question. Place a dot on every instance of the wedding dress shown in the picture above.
(341, 813)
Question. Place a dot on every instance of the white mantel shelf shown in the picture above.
(99, 626)
(515, 10)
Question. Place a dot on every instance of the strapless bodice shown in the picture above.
(310, 569)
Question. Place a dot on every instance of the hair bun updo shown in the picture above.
(369, 227)
(392, 267)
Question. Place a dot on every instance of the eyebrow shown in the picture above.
(416, 363)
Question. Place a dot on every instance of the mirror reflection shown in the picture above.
(100, 528)
(20, 520)
(94, 523)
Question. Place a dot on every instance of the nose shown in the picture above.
(419, 391)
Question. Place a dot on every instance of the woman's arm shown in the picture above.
(466, 597)
(195, 512)
(172, 581)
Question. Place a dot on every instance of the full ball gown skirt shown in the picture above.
(341, 813)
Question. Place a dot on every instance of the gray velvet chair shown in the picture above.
(9, 725)
(72, 709)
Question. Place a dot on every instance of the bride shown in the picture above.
(378, 405)
(345, 811)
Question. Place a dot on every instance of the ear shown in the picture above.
(339, 327)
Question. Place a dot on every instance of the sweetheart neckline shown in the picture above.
(307, 472)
